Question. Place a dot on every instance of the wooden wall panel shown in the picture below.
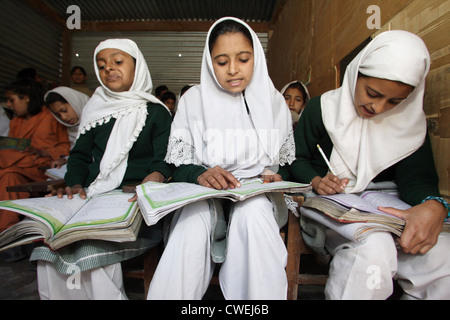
(311, 37)
(431, 21)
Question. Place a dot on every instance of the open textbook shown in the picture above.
(14, 143)
(356, 216)
(158, 199)
(60, 221)
(56, 173)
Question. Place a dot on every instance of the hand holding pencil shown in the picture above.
(330, 184)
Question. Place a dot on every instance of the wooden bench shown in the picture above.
(38, 187)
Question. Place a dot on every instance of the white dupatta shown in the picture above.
(363, 148)
(129, 108)
(207, 115)
(77, 101)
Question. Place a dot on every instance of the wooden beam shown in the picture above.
(276, 13)
(163, 25)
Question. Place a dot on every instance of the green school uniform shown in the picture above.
(415, 176)
(146, 156)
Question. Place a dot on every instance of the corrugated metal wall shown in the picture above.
(174, 58)
(27, 40)
(132, 10)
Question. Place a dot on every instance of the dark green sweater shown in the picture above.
(415, 176)
(146, 156)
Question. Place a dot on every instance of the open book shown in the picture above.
(158, 199)
(59, 222)
(356, 216)
(14, 143)
(56, 173)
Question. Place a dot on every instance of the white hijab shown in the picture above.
(129, 108)
(77, 101)
(207, 110)
(301, 83)
(295, 116)
(363, 148)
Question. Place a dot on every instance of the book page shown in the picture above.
(159, 194)
(350, 200)
(56, 173)
(102, 209)
(52, 211)
(165, 194)
(383, 199)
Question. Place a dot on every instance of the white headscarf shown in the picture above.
(129, 108)
(301, 83)
(363, 148)
(207, 113)
(77, 101)
(295, 116)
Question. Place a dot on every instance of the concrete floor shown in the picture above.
(18, 282)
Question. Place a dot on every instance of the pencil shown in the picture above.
(326, 160)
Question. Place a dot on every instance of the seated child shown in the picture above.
(297, 96)
(122, 140)
(66, 105)
(48, 142)
(231, 127)
(373, 129)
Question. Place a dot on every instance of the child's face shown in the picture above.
(232, 58)
(78, 77)
(18, 105)
(65, 112)
(170, 103)
(116, 69)
(374, 96)
(294, 99)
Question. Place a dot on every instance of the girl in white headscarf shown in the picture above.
(231, 127)
(67, 105)
(122, 140)
(373, 129)
(297, 96)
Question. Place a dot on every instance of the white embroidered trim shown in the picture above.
(180, 152)
(94, 123)
(142, 109)
(287, 151)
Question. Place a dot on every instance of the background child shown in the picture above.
(297, 96)
(220, 138)
(79, 80)
(122, 140)
(48, 142)
(66, 105)
(373, 129)
(170, 100)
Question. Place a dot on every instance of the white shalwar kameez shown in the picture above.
(243, 135)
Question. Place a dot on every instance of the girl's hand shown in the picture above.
(58, 163)
(269, 176)
(70, 191)
(40, 153)
(154, 176)
(218, 178)
(423, 224)
(330, 184)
